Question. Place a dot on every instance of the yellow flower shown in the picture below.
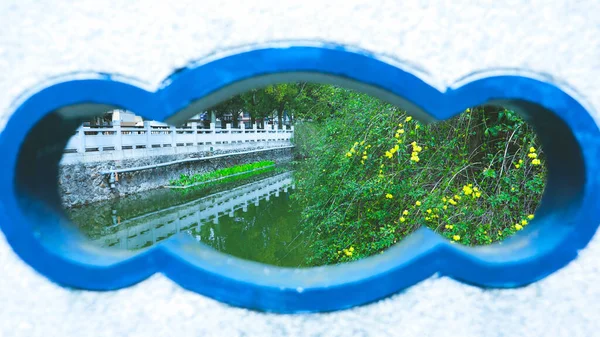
(402, 219)
(444, 199)
(518, 227)
(520, 161)
(397, 135)
(499, 233)
(456, 237)
(364, 157)
(415, 159)
(349, 154)
(477, 194)
(418, 203)
(417, 126)
(401, 131)
(530, 216)
(468, 110)
(451, 201)
(408, 119)
(517, 166)
(389, 196)
(429, 211)
(388, 154)
(536, 162)
(362, 142)
(355, 143)
(449, 226)
(351, 249)
(467, 190)
(457, 197)
(532, 155)
(445, 207)
(405, 212)
(396, 147)
(524, 222)
(532, 149)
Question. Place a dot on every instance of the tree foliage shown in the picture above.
(300, 100)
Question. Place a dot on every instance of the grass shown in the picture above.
(237, 170)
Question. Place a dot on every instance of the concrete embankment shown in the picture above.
(81, 184)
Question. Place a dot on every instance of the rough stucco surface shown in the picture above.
(43, 39)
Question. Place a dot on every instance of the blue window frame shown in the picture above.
(36, 227)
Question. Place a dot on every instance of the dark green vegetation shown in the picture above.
(372, 175)
(186, 180)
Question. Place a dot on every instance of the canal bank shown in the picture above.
(85, 183)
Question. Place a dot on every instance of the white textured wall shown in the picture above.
(43, 39)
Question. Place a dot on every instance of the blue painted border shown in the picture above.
(37, 230)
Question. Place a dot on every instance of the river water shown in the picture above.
(253, 219)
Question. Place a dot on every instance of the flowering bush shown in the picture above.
(372, 174)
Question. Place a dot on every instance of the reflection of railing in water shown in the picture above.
(149, 228)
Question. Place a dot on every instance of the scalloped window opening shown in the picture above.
(300, 174)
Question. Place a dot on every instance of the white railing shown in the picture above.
(155, 139)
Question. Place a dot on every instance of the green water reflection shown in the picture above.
(252, 219)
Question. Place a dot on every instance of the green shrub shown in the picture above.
(372, 174)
